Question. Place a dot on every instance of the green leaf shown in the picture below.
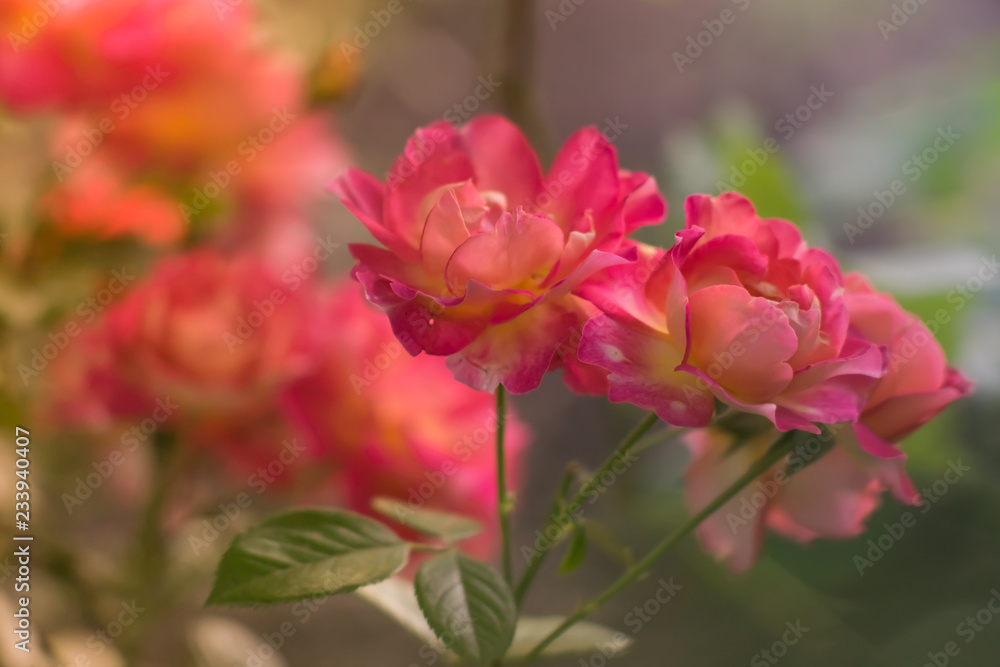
(581, 638)
(306, 554)
(468, 605)
(445, 525)
(576, 551)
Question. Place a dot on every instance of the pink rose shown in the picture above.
(89, 54)
(918, 382)
(83, 386)
(400, 426)
(483, 254)
(214, 331)
(804, 498)
(739, 310)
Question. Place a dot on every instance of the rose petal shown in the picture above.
(502, 159)
(519, 254)
(741, 341)
(516, 353)
(642, 366)
(584, 177)
(434, 157)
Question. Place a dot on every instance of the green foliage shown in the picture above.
(444, 525)
(306, 554)
(468, 605)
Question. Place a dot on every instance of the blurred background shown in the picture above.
(873, 125)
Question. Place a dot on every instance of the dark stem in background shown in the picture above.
(152, 547)
(150, 565)
(518, 65)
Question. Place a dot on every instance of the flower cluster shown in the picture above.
(249, 361)
(510, 273)
(168, 113)
(176, 126)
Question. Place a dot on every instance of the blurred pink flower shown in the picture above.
(400, 426)
(97, 200)
(83, 388)
(801, 497)
(483, 253)
(173, 113)
(214, 331)
(739, 310)
(74, 55)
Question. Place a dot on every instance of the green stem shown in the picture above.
(504, 503)
(561, 517)
(783, 445)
